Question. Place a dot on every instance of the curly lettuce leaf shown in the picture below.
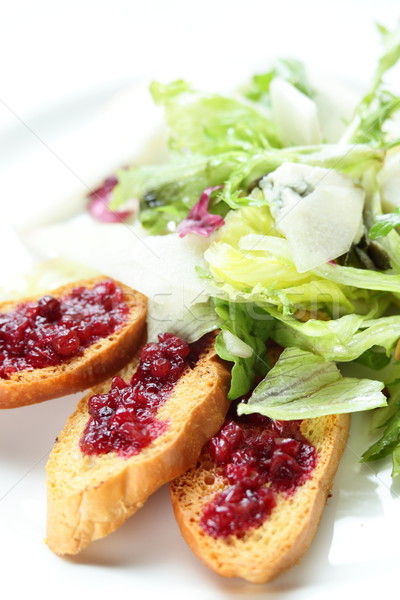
(373, 211)
(210, 124)
(382, 107)
(167, 192)
(302, 386)
(352, 160)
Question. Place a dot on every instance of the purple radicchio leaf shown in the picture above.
(99, 201)
(199, 220)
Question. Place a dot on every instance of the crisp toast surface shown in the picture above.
(90, 496)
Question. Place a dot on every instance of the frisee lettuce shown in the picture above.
(373, 210)
(352, 160)
(167, 192)
(378, 104)
(384, 224)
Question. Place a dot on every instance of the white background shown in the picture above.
(60, 61)
(53, 52)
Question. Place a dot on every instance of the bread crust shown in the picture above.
(88, 497)
(99, 361)
(285, 536)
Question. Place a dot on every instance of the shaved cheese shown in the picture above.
(319, 211)
(295, 115)
(389, 182)
(161, 267)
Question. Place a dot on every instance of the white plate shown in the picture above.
(356, 546)
(355, 549)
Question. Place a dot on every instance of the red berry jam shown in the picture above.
(258, 457)
(124, 419)
(50, 331)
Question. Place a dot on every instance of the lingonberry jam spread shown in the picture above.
(124, 419)
(258, 457)
(52, 330)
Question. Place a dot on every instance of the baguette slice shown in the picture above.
(284, 537)
(90, 496)
(99, 361)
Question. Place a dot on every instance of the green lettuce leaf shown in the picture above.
(167, 192)
(360, 278)
(372, 117)
(382, 416)
(302, 385)
(210, 124)
(396, 461)
(343, 339)
(374, 358)
(270, 281)
(252, 326)
(247, 268)
(373, 212)
(384, 224)
(352, 160)
(244, 329)
(389, 441)
(391, 46)
(390, 244)
(249, 261)
(387, 420)
(348, 276)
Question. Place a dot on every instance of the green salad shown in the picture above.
(303, 247)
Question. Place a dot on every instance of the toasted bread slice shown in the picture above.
(90, 496)
(285, 535)
(99, 361)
